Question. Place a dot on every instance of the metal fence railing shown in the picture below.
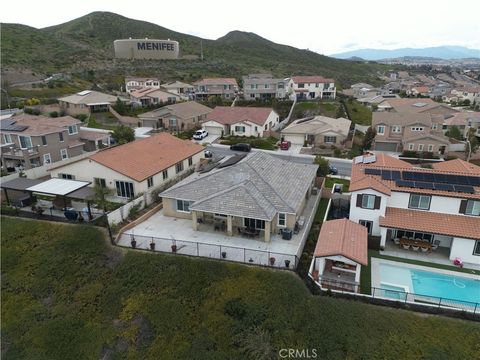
(214, 251)
(399, 296)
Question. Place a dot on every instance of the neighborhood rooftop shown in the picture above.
(36, 125)
(89, 97)
(183, 110)
(231, 115)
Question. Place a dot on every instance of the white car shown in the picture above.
(200, 134)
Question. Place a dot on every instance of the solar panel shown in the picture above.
(231, 161)
(423, 185)
(404, 183)
(444, 187)
(408, 175)
(386, 174)
(428, 177)
(439, 178)
(373, 172)
(396, 175)
(418, 176)
(464, 189)
(474, 180)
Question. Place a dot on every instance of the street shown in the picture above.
(343, 166)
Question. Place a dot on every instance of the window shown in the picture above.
(396, 129)
(25, 142)
(282, 219)
(72, 129)
(254, 223)
(476, 248)
(267, 86)
(100, 182)
(421, 202)
(316, 85)
(60, 136)
(66, 176)
(417, 128)
(172, 122)
(472, 207)
(183, 206)
(124, 189)
(252, 96)
(7, 138)
(44, 140)
(150, 182)
(240, 129)
(280, 86)
(434, 127)
(380, 129)
(179, 167)
(430, 148)
(301, 86)
(253, 86)
(47, 159)
(63, 154)
(330, 139)
(266, 126)
(411, 146)
(420, 147)
(368, 224)
(190, 161)
(368, 201)
(165, 174)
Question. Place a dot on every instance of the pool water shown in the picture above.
(429, 283)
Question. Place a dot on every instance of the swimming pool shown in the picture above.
(429, 283)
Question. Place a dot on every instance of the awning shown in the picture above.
(20, 184)
(60, 187)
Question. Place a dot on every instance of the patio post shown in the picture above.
(194, 220)
(6, 196)
(268, 226)
(89, 211)
(229, 225)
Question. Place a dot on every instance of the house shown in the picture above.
(259, 193)
(363, 90)
(340, 253)
(241, 121)
(147, 96)
(440, 89)
(184, 90)
(463, 121)
(182, 116)
(436, 208)
(136, 167)
(311, 87)
(413, 106)
(95, 139)
(137, 83)
(263, 86)
(419, 91)
(398, 132)
(29, 141)
(226, 88)
(87, 101)
(317, 131)
(374, 101)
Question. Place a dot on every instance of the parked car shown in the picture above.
(200, 134)
(285, 145)
(241, 147)
(332, 170)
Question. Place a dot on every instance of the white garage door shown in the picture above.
(385, 146)
(214, 130)
(295, 139)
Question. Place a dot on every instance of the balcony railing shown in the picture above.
(20, 153)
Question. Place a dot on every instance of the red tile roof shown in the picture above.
(431, 222)
(217, 81)
(311, 79)
(370, 182)
(230, 115)
(144, 158)
(343, 237)
(457, 166)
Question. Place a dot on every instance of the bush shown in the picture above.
(410, 154)
(53, 114)
(81, 117)
(31, 111)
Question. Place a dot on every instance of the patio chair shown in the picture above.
(415, 248)
(396, 241)
(424, 249)
(435, 245)
(406, 247)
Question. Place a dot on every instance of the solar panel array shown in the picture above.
(10, 125)
(435, 186)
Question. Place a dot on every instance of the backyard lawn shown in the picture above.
(358, 113)
(304, 109)
(66, 294)
(329, 182)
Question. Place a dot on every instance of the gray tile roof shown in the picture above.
(259, 181)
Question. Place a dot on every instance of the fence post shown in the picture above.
(406, 297)
(475, 310)
(439, 303)
(198, 250)
(244, 255)
(220, 251)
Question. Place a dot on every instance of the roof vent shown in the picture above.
(84, 92)
(420, 104)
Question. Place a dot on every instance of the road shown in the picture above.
(344, 166)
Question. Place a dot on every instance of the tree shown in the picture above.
(368, 139)
(123, 134)
(100, 194)
(120, 107)
(454, 133)
(323, 166)
(473, 145)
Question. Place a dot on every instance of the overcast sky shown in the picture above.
(326, 27)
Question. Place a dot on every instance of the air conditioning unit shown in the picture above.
(314, 191)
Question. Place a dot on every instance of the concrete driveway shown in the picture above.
(294, 150)
(210, 139)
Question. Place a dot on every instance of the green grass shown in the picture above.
(329, 182)
(268, 143)
(66, 294)
(304, 109)
(358, 113)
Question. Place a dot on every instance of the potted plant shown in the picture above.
(174, 248)
(287, 263)
(152, 245)
(224, 254)
(272, 261)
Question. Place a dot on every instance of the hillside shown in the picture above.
(440, 52)
(87, 43)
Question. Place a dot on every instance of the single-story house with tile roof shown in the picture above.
(241, 121)
(260, 192)
(182, 116)
(151, 96)
(341, 250)
(319, 130)
(135, 167)
(87, 101)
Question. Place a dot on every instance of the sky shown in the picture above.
(326, 27)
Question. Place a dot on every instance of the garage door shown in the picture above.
(386, 146)
(214, 130)
(295, 139)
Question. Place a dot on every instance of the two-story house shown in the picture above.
(30, 141)
(431, 210)
(415, 106)
(186, 91)
(263, 86)
(137, 83)
(226, 88)
(420, 132)
(311, 87)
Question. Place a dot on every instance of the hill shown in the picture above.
(440, 52)
(87, 43)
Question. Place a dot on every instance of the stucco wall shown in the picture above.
(357, 214)
(463, 249)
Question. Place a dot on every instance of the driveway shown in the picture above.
(210, 139)
(294, 150)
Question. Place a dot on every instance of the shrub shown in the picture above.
(53, 114)
(410, 154)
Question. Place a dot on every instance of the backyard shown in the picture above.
(265, 143)
(358, 113)
(304, 109)
(67, 294)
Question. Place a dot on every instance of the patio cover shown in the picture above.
(60, 187)
(20, 184)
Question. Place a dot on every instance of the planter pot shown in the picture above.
(272, 261)
(152, 246)
(224, 254)
(133, 243)
(174, 248)
(287, 263)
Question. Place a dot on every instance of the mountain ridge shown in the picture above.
(439, 52)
